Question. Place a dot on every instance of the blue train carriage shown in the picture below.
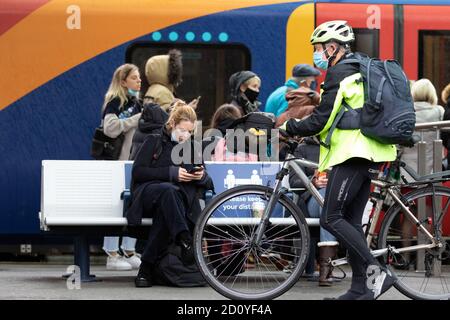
(58, 58)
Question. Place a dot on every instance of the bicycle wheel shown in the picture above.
(423, 273)
(229, 261)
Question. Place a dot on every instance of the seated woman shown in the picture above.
(166, 192)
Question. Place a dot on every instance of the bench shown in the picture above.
(82, 198)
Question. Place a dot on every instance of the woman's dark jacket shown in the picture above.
(153, 165)
(152, 121)
(445, 135)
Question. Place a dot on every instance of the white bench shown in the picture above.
(86, 197)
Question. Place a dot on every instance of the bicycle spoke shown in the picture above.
(237, 268)
(418, 274)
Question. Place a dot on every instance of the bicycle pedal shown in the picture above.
(339, 262)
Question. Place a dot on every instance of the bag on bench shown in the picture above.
(170, 271)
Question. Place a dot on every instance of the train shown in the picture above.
(58, 57)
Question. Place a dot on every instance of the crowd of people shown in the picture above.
(156, 122)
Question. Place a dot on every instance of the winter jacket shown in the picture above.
(277, 103)
(341, 85)
(163, 74)
(425, 112)
(153, 165)
(309, 150)
(117, 120)
(445, 135)
(301, 103)
(152, 121)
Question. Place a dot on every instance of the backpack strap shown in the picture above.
(351, 60)
(335, 123)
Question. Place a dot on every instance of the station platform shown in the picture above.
(30, 281)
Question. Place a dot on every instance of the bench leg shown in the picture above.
(82, 258)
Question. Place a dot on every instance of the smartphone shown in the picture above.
(195, 169)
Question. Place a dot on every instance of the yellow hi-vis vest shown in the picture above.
(346, 144)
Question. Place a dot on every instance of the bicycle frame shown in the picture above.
(288, 164)
(292, 164)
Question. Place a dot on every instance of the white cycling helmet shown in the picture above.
(337, 30)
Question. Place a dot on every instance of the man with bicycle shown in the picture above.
(352, 158)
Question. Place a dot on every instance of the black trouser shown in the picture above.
(163, 202)
(346, 196)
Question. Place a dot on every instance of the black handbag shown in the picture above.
(104, 147)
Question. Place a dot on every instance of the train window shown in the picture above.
(206, 70)
(367, 41)
(434, 57)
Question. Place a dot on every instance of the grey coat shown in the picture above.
(425, 112)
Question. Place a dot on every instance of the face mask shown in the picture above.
(177, 134)
(251, 94)
(132, 92)
(319, 62)
(313, 85)
(174, 136)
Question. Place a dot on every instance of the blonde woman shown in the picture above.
(166, 192)
(427, 110)
(121, 112)
(244, 86)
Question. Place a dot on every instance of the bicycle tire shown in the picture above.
(394, 217)
(216, 281)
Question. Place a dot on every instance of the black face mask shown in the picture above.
(251, 95)
(313, 85)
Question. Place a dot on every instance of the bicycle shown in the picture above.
(262, 257)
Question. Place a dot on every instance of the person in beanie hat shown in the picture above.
(303, 76)
(244, 87)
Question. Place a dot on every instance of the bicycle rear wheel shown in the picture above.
(229, 261)
(424, 273)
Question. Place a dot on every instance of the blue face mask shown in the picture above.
(319, 62)
(313, 85)
(133, 92)
(174, 136)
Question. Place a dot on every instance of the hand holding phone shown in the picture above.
(195, 169)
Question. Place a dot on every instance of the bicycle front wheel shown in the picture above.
(423, 273)
(235, 266)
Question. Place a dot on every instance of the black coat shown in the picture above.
(309, 150)
(445, 135)
(153, 165)
(313, 124)
(152, 121)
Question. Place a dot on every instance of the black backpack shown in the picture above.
(387, 115)
(170, 271)
(253, 120)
